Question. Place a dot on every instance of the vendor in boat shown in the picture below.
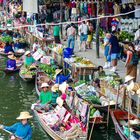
(55, 93)
(8, 48)
(22, 129)
(60, 77)
(44, 98)
(101, 72)
(28, 60)
(17, 45)
(11, 62)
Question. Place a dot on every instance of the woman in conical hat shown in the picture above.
(60, 77)
(22, 129)
(11, 62)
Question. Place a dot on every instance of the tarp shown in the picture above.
(30, 6)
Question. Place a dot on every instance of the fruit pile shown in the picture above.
(124, 35)
(92, 111)
(50, 70)
(6, 39)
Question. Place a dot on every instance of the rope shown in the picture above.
(76, 22)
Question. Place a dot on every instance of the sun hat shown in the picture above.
(27, 52)
(44, 85)
(57, 71)
(133, 87)
(128, 78)
(59, 101)
(11, 55)
(138, 91)
(136, 121)
(55, 88)
(24, 115)
(63, 87)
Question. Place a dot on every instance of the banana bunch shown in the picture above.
(85, 61)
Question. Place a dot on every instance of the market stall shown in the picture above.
(82, 68)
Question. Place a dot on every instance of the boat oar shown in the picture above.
(92, 129)
(7, 131)
(17, 138)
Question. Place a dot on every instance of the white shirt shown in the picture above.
(137, 35)
(83, 28)
(35, 47)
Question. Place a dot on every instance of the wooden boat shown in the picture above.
(42, 77)
(120, 117)
(61, 135)
(26, 78)
(3, 54)
(10, 71)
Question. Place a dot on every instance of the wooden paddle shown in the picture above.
(17, 138)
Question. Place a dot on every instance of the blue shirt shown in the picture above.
(17, 45)
(115, 44)
(11, 63)
(8, 49)
(60, 78)
(20, 130)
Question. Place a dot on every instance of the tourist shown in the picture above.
(28, 60)
(106, 51)
(56, 33)
(71, 32)
(114, 51)
(7, 48)
(132, 61)
(45, 98)
(89, 35)
(83, 29)
(11, 62)
(22, 129)
(36, 46)
(60, 77)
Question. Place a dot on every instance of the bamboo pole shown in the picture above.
(129, 106)
(108, 112)
(92, 129)
(117, 97)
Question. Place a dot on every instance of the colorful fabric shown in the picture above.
(20, 130)
(45, 97)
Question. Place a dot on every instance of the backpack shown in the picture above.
(135, 58)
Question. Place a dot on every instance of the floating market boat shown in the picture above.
(26, 74)
(120, 120)
(42, 77)
(61, 124)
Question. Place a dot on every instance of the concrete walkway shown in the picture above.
(91, 54)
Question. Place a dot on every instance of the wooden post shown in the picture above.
(108, 113)
(129, 110)
(117, 97)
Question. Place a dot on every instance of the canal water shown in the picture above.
(17, 95)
